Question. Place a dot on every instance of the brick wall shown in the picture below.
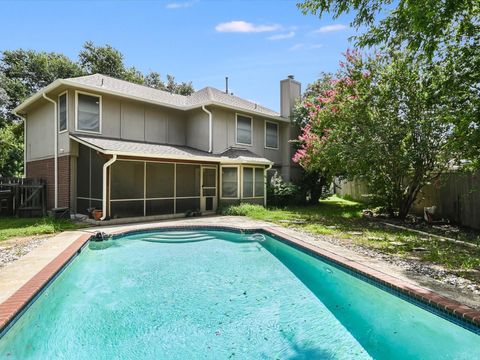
(44, 169)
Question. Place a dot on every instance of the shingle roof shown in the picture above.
(205, 96)
(141, 149)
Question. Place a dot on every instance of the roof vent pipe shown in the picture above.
(291, 77)
(226, 85)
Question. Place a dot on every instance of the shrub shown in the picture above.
(243, 209)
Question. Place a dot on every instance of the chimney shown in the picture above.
(290, 92)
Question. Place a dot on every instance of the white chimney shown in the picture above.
(290, 92)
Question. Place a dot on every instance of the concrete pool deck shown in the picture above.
(22, 279)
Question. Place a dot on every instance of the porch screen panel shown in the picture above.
(83, 171)
(159, 207)
(120, 209)
(259, 182)
(160, 180)
(127, 180)
(96, 173)
(188, 180)
(247, 182)
(184, 205)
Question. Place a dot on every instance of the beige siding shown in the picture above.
(224, 132)
(40, 140)
(197, 134)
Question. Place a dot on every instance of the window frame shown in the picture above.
(239, 183)
(236, 129)
(77, 92)
(66, 112)
(278, 135)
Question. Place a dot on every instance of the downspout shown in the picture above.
(55, 150)
(210, 129)
(265, 185)
(24, 142)
(104, 191)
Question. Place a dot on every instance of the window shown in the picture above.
(244, 130)
(88, 114)
(271, 135)
(229, 182)
(253, 182)
(62, 112)
(247, 182)
(259, 182)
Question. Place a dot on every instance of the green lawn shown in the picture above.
(343, 220)
(14, 227)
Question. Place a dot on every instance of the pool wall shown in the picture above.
(467, 317)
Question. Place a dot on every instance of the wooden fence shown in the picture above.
(22, 197)
(456, 196)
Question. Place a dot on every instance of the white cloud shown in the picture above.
(181, 5)
(330, 28)
(245, 27)
(297, 47)
(302, 46)
(288, 35)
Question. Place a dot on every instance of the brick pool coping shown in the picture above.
(17, 302)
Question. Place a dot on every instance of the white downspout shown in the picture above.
(265, 185)
(104, 191)
(55, 150)
(24, 142)
(210, 129)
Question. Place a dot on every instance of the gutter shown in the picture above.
(104, 191)
(55, 150)
(210, 129)
(24, 142)
(265, 186)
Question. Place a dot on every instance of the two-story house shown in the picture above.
(132, 150)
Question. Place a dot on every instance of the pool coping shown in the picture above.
(19, 301)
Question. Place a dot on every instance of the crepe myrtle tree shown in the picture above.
(441, 33)
(378, 122)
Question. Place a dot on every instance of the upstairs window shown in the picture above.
(271, 135)
(62, 112)
(244, 130)
(88, 114)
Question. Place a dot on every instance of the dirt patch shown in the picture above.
(13, 249)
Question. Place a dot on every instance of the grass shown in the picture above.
(20, 227)
(342, 219)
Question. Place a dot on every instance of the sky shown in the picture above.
(254, 43)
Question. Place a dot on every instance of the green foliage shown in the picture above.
(442, 34)
(11, 150)
(244, 209)
(24, 72)
(17, 227)
(277, 186)
(383, 122)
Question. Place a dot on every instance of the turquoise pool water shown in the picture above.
(222, 295)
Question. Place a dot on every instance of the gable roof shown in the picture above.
(110, 85)
(164, 151)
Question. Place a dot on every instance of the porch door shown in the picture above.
(209, 189)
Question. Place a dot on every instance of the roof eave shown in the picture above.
(170, 157)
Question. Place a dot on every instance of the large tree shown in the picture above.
(443, 33)
(383, 121)
(23, 72)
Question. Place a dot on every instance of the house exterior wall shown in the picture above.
(44, 169)
(197, 132)
(224, 133)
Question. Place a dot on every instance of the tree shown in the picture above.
(443, 33)
(379, 122)
(24, 72)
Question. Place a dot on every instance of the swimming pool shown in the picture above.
(218, 294)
